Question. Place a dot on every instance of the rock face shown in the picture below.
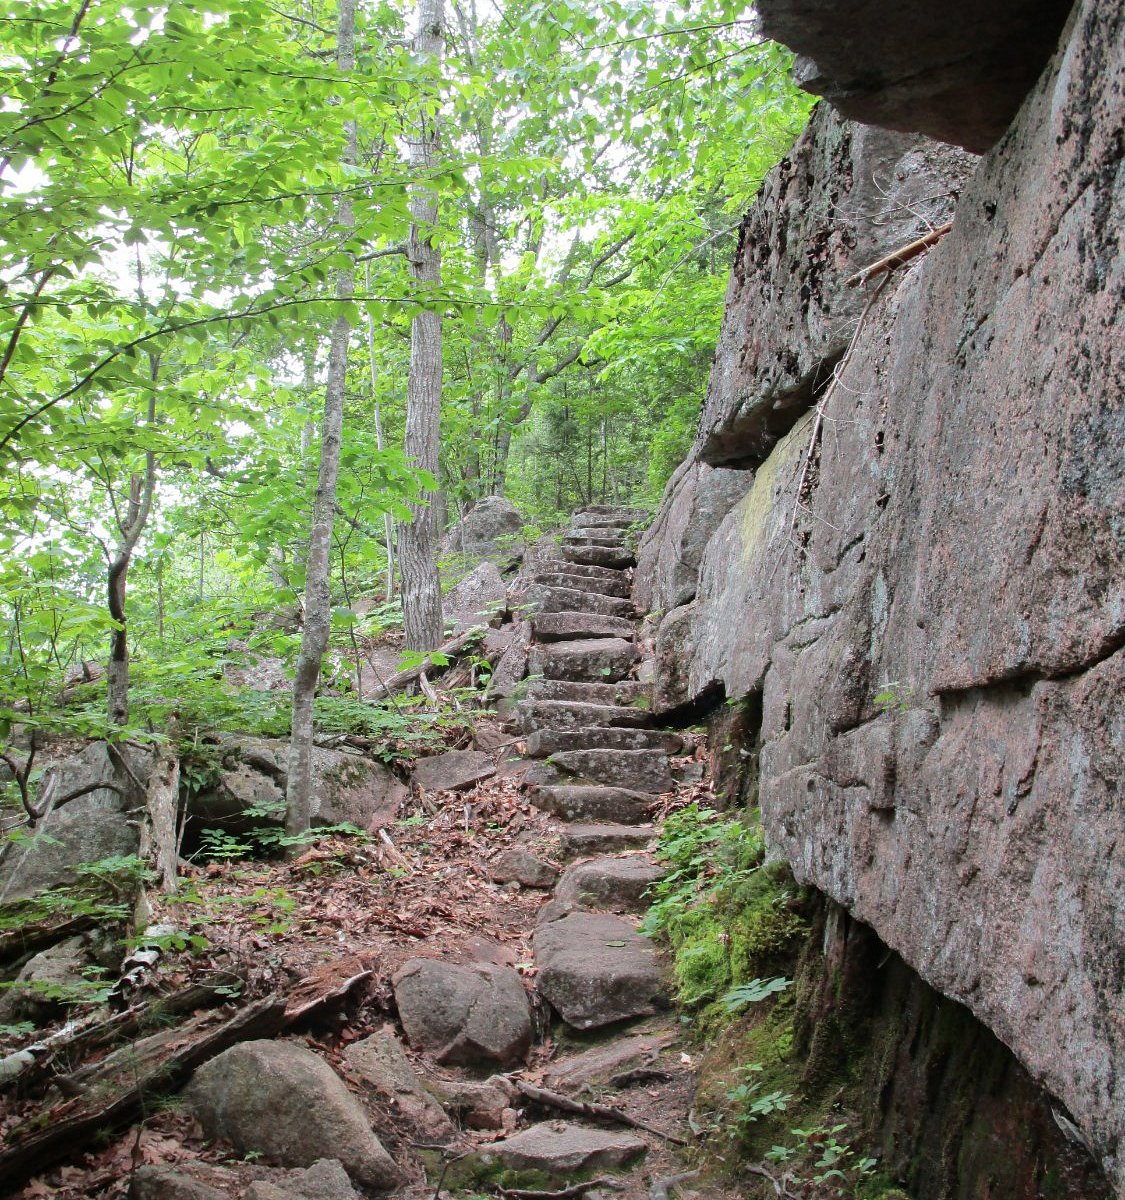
(934, 638)
(287, 1103)
(955, 72)
(472, 1014)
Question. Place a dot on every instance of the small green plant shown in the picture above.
(831, 1161)
(750, 1103)
(751, 993)
(894, 697)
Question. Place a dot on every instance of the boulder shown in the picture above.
(518, 865)
(478, 599)
(381, 1062)
(453, 770)
(561, 1149)
(464, 1014)
(476, 1105)
(595, 969)
(52, 977)
(326, 1179)
(347, 788)
(492, 529)
(283, 1101)
(508, 673)
(86, 830)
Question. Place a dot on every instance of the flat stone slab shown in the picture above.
(573, 626)
(561, 1149)
(599, 556)
(638, 770)
(612, 584)
(554, 741)
(576, 841)
(582, 570)
(600, 1065)
(623, 692)
(612, 884)
(464, 1014)
(583, 537)
(605, 659)
(542, 599)
(584, 802)
(453, 770)
(595, 969)
(569, 714)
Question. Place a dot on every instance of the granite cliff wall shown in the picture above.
(900, 535)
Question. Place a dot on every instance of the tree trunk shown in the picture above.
(130, 526)
(417, 551)
(318, 602)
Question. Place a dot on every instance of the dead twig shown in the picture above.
(897, 258)
(582, 1108)
(574, 1189)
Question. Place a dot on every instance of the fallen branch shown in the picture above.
(111, 1094)
(582, 1108)
(901, 256)
(574, 1189)
(447, 650)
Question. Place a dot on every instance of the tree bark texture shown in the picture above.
(417, 550)
(318, 600)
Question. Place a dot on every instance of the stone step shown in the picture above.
(624, 692)
(570, 714)
(594, 737)
(584, 570)
(608, 1064)
(594, 660)
(612, 512)
(604, 536)
(542, 599)
(599, 556)
(577, 841)
(637, 770)
(583, 802)
(595, 970)
(616, 585)
(560, 1151)
(608, 884)
(574, 626)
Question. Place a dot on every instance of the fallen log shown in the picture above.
(35, 1063)
(112, 1093)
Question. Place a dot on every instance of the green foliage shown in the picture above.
(103, 890)
(723, 911)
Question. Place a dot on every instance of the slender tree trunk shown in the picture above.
(388, 520)
(318, 605)
(130, 526)
(417, 550)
